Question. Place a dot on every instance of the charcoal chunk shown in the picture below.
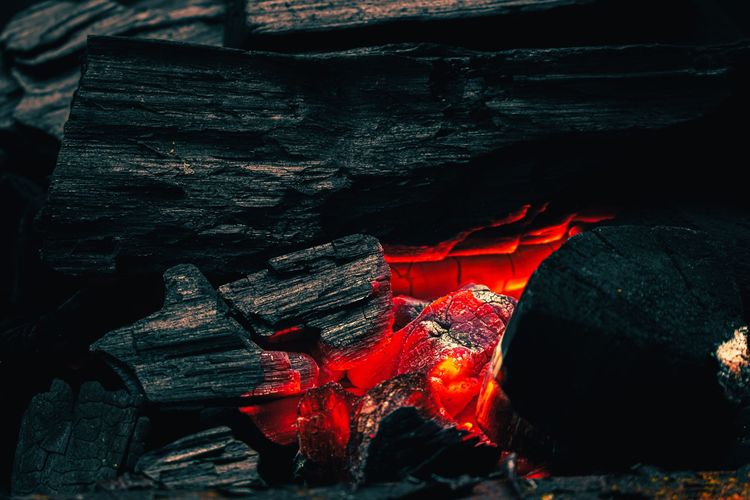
(340, 290)
(192, 351)
(324, 418)
(69, 442)
(622, 344)
(400, 431)
(209, 459)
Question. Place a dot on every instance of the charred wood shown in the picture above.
(399, 431)
(192, 351)
(257, 152)
(208, 459)
(44, 45)
(69, 442)
(340, 291)
(636, 334)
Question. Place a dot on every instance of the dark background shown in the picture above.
(35, 297)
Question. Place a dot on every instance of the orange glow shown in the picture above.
(503, 261)
(277, 419)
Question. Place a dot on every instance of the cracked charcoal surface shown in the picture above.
(215, 172)
(464, 325)
(340, 290)
(192, 351)
(616, 335)
(69, 442)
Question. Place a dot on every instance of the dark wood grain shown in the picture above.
(192, 351)
(44, 44)
(340, 291)
(209, 459)
(178, 153)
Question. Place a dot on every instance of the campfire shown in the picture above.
(327, 249)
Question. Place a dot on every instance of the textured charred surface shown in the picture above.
(44, 44)
(340, 291)
(191, 350)
(67, 443)
(324, 420)
(208, 459)
(253, 153)
(452, 341)
(399, 431)
(620, 334)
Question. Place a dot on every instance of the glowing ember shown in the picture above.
(436, 357)
(323, 422)
(502, 255)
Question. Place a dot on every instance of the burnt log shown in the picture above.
(192, 351)
(340, 291)
(209, 459)
(69, 442)
(44, 44)
(256, 153)
(399, 431)
(629, 343)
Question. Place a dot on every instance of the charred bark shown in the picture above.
(209, 459)
(192, 351)
(45, 42)
(253, 153)
(340, 291)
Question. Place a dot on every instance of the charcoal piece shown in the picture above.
(261, 153)
(44, 44)
(67, 443)
(400, 431)
(324, 418)
(209, 459)
(192, 351)
(340, 290)
(621, 345)
(452, 340)
(406, 309)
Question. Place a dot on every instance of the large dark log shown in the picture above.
(628, 343)
(67, 443)
(209, 459)
(192, 351)
(340, 291)
(44, 44)
(179, 153)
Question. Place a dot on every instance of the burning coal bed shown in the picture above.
(627, 339)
